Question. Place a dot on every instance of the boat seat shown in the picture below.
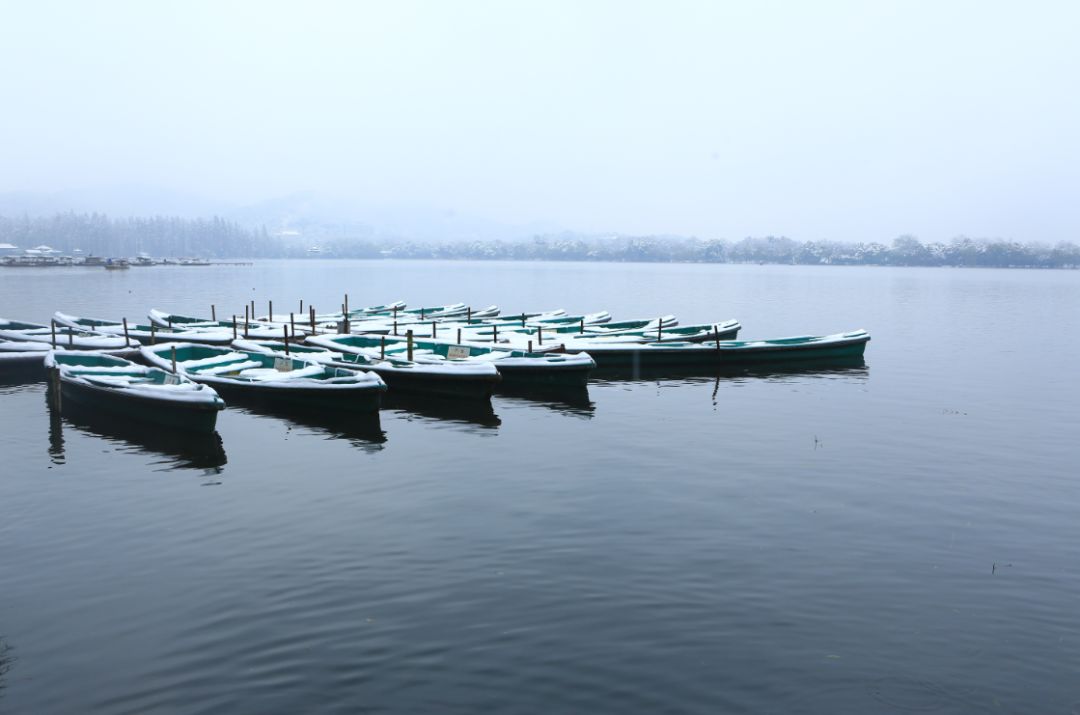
(269, 374)
(223, 369)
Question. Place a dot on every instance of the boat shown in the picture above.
(64, 337)
(610, 353)
(146, 334)
(116, 264)
(251, 329)
(22, 358)
(286, 381)
(515, 366)
(116, 386)
(472, 381)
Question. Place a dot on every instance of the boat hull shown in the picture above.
(360, 399)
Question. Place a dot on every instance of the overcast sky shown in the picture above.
(844, 120)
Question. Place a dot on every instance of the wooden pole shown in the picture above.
(395, 326)
(421, 313)
(127, 340)
(234, 327)
(153, 332)
(583, 326)
(213, 312)
(434, 334)
(253, 309)
(530, 346)
(459, 335)
(71, 338)
(659, 329)
(311, 310)
(409, 339)
(173, 351)
(271, 314)
(292, 324)
(523, 320)
(540, 334)
(382, 347)
(245, 314)
(53, 323)
(468, 318)
(346, 304)
(170, 322)
(286, 329)
(301, 306)
(495, 335)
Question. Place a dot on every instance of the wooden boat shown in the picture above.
(146, 334)
(453, 380)
(21, 358)
(515, 366)
(291, 382)
(64, 337)
(609, 353)
(116, 386)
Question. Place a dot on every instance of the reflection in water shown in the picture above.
(21, 375)
(573, 401)
(363, 431)
(5, 661)
(472, 413)
(853, 369)
(182, 450)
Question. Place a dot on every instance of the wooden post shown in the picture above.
(530, 346)
(311, 310)
(659, 329)
(153, 332)
(53, 323)
(292, 324)
(523, 320)
(286, 329)
(434, 333)
(253, 309)
(127, 340)
(468, 313)
(540, 334)
(382, 347)
(409, 339)
(717, 339)
(271, 314)
(459, 335)
(213, 312)
(421, 313)
(346, 304)
(245, 314)
(71, 338)
(495, 335)
(234, 327)
(301, 306)
(170, 322)
(246, 323)
(173, 351)
(395, 326)
(583, 326)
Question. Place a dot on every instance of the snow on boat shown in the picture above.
(515, 366)
(22, 358)
(475, 381)
(146, 334)
(107, 384)
(285, 381)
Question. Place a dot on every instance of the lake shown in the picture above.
(899, 536)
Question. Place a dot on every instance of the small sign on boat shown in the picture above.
(283, 364)
(171, 379)
(457, 352)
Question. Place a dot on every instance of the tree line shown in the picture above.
(159, 236)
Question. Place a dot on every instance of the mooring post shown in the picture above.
(421, 313)
(433, 330)
(53, 323)
(583, 326)
(346, 304)
(213, 312)
(468, 312)
(530, 346)
(659, 329)
(409, 339)
(153, 332)
(495, 333)
(271, 307)
(301, 306)
(459, 335)
(234, 327)
(173, 351)
(286, 329)
(311, 315)
(395, 326)
(127, 340)
(523, 320)
(292, 324)
(71, 338)
(382, 348)
(540, 335)
(170, 322)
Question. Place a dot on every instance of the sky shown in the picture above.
(848, 121)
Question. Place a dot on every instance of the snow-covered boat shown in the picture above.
(515, 366)
(286, 381)
(251, 328)
(146, 334)
(64, 337)
(458, 380)
(112, 385)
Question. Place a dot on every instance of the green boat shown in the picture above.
(21, 360)
(146, 334)
(290, 381)
(114, 386)
(64, 337)
(515, 366)
(451, 380)
(251, 328)
(608, 353)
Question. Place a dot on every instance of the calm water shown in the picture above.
(899, 537)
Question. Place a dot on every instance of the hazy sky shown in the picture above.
(845, 120)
